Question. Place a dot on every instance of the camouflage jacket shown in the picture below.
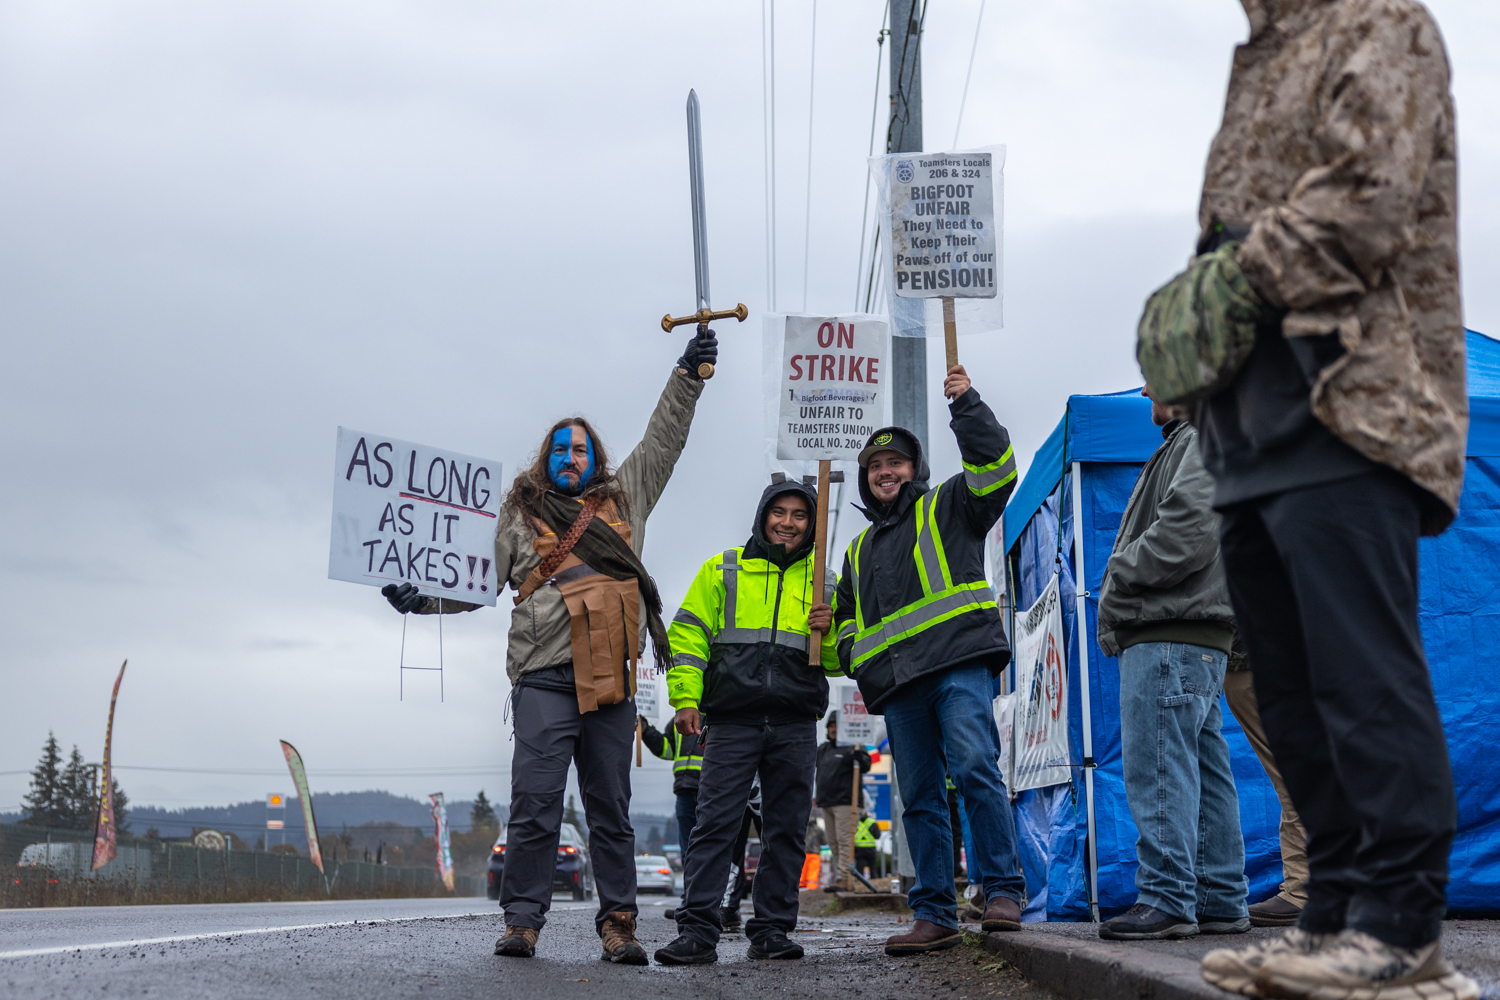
(1338, 150)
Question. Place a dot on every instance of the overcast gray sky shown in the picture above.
(229, 228)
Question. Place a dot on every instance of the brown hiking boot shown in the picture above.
(924, 936)
(1001, 913)
(620, 945)
(518, 942)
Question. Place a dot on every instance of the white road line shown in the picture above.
(144, 942)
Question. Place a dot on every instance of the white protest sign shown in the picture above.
(648, 699)
(1005, 721)
(407, 513)
(832, 386)
(1041, 756)
(856, 726)
(943, 233)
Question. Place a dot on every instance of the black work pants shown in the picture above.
(1324, 585)
(550, 734)
(784, 757)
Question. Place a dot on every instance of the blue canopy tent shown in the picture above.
(1077, 839)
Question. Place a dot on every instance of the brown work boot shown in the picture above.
(620, 945)
(1001, 913)
(924, 936)
(518, 942)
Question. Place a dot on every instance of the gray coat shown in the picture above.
(1165, 565)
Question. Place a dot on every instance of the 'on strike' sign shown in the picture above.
(832, 385)
(407, 513)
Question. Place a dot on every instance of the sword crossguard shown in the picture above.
(703, 317)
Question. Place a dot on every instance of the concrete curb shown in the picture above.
(1100, 970)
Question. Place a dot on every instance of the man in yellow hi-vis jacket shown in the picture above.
(740, 675)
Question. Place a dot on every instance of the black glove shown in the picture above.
(404, 598)
(704, 347)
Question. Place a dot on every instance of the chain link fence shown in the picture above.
(51, 868)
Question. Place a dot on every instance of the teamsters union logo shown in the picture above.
(904, 171)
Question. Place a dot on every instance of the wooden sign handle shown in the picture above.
(820, 548)
(638, 743)
(950, 334)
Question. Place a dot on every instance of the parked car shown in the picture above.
(654, 874)
(574, 872)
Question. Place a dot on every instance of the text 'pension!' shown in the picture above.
(943, 234)
(832, 386)
(410, 513)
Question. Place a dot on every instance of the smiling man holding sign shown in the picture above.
(918, 626)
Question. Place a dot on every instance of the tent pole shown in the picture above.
(1080, 581)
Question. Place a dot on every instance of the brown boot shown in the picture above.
(518, 942)
(1001, 913)
(620, 945)
(924, 936)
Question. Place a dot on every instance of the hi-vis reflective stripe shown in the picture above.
(689, 660)
(686, 617)
(919, 616)
(932, 562)
(687, 764)
(731, 568)
(986, 479)
(783, 638)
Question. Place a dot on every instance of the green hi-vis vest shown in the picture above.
(869, 830)
(941, 600)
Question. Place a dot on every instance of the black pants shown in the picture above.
(784, 757)
(550, 734)
(867, 860)
(1324, 585)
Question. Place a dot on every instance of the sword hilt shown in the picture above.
(703, 317)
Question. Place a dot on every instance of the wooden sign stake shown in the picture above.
(820, 572)
(950, 334)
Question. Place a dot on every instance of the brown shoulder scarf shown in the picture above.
(602, 548)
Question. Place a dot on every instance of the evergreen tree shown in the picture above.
(78, 806)
(45, 800)
(482, 814)
(122, 801)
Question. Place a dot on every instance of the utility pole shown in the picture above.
(909, 340)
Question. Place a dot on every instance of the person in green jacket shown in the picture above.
(866, 839)
(687, 763)
(740, 676)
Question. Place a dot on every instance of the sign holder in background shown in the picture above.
(942, 219)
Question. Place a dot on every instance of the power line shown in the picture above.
(975, 48)
(768, 137)
(812, 79)
(864, 222)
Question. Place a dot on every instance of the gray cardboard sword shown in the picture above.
(705, 313)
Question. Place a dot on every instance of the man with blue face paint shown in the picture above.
(569, 542)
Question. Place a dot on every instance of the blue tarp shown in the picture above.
(1112, 436)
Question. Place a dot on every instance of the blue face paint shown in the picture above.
(562, 458)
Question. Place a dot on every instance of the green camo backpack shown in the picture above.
(1198, 329)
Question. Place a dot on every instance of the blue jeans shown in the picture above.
(949, 715)
(1178, 781)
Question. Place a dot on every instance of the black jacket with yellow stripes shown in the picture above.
(923, 608)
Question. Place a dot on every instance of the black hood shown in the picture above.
(761, 547)
(874, 509)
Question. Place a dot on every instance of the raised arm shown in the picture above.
(989, 461)
(646, 470)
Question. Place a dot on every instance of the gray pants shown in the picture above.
(784, 757)
(551, 733)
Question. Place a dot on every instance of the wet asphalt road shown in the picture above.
(371, 949)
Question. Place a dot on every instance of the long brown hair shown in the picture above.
(533, 482)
